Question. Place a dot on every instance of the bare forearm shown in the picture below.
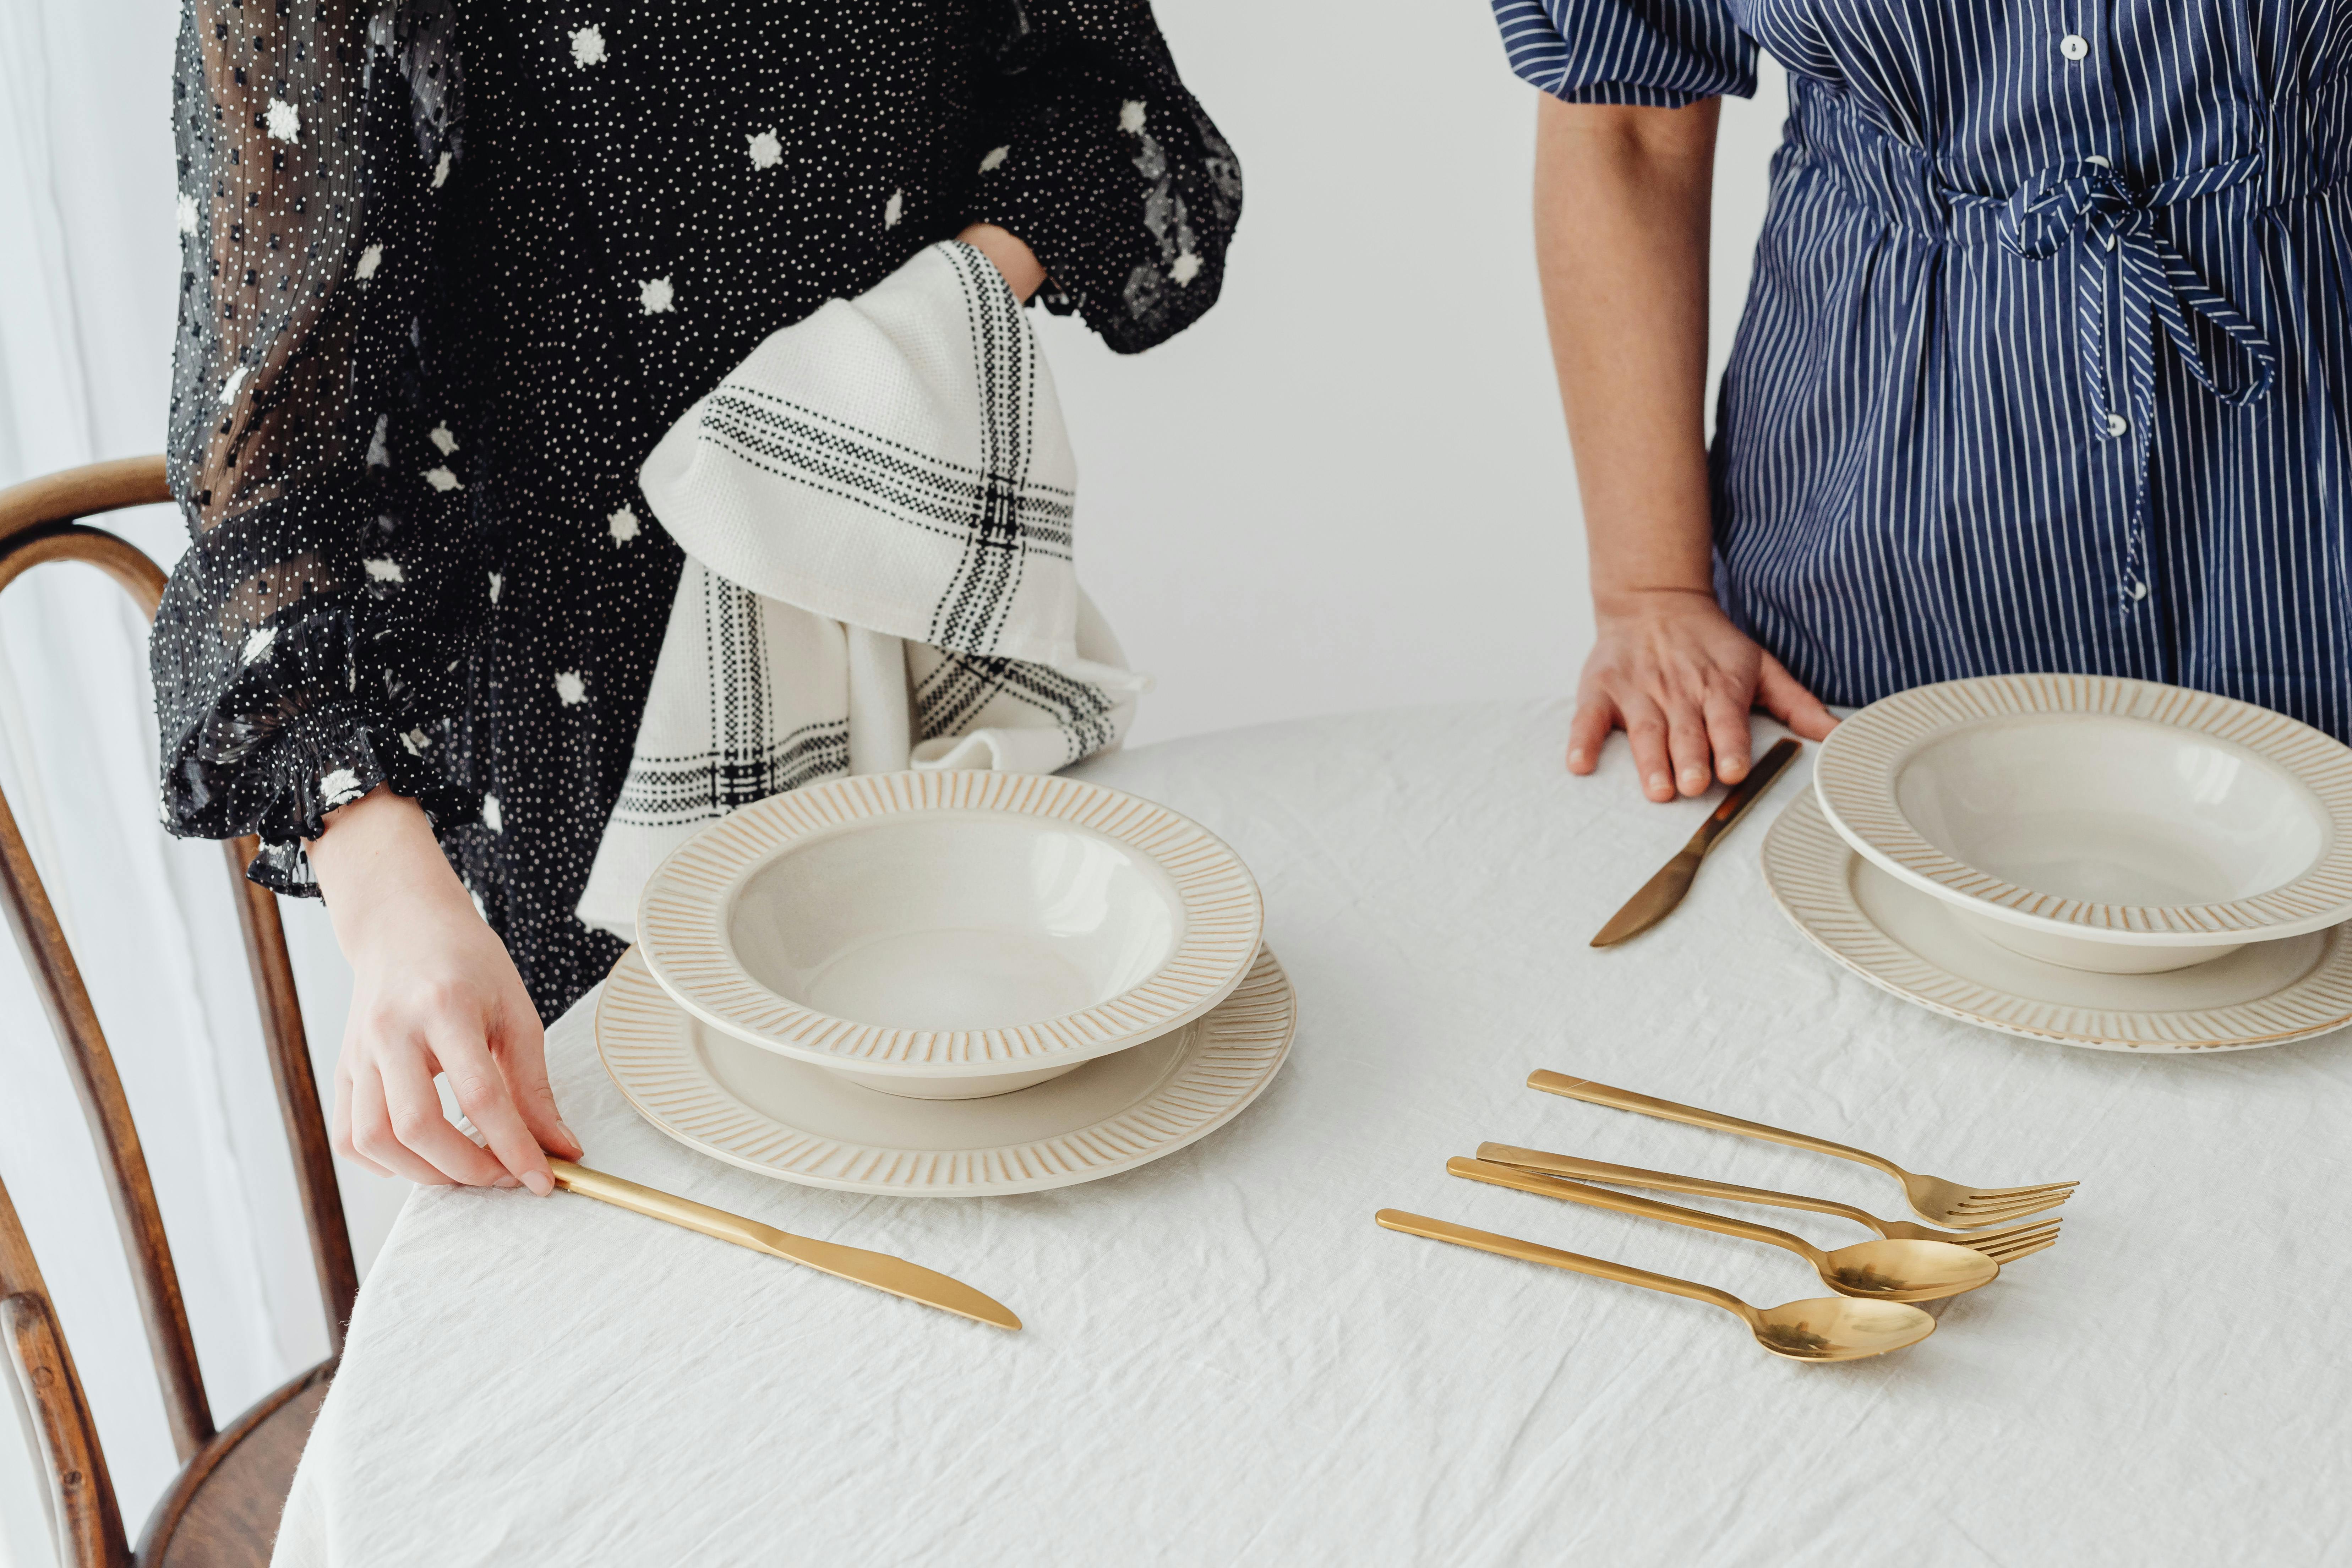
(377, 855)
(1622, 197)
(1621, 200)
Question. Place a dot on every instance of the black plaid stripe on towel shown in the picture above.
(876, 509)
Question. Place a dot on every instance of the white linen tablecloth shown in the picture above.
(1226, 1362)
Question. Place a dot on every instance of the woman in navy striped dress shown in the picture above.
(2045, 364)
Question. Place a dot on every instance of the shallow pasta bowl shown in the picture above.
(950, 935)
(2104, 824)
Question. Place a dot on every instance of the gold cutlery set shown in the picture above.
(1876, 1281)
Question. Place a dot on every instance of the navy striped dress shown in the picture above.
(2046, 364)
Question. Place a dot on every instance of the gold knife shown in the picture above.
(1662, 892)
(880, 1270)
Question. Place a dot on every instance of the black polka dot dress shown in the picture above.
(451, 269)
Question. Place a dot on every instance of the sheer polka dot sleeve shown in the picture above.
(1100, 160)
(310, 639)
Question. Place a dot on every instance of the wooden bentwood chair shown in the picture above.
(222, 1507)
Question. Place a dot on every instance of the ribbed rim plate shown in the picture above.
(1810, 870)
(1225, 1060)
(682, 923)
(1856, 771)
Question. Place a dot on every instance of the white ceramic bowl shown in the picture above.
(950, 935)
(2102, 824)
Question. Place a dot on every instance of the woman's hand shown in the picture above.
(434, 993)
(1023, 273)
(1671, 670)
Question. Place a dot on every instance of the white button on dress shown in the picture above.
(2073, 46)
(2117, 425)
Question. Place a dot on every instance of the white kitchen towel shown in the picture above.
(876, 507)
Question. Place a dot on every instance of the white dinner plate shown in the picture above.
(1918, 946)
(792, 1120)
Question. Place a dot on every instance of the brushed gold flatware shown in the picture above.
(1826, 1328)
(878, 1270)
(1662, 892)
(2005, 1245)
(1877, 1270)
(1933, 1199)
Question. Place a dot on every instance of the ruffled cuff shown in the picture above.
(303, 775)
(266, 733)
(1128, 196)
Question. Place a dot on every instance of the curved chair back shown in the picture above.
(39, 523)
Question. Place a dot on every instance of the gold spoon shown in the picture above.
(1829, 1328)
(1881, 1270)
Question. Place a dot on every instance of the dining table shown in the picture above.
(1225, 1359)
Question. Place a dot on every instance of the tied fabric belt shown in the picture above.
(2131, 281)
(2081, 204)
(2087, 209)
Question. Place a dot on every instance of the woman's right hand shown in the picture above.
(434, 992)
(1671, 670)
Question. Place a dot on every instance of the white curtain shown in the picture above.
(88, 279)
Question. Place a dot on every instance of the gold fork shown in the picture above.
(2006, 1246)
(1933, 1199)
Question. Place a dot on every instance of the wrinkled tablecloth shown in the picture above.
(1226, 1362)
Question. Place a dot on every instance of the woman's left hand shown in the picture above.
(1022, 270)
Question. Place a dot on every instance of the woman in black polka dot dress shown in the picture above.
(451, 268)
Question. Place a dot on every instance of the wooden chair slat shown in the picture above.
(91, 1527)
(298, 1091)
(92, 1521)
(123, 1164)
(82, 493)
(118, 558)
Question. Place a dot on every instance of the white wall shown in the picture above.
(1347, 488)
